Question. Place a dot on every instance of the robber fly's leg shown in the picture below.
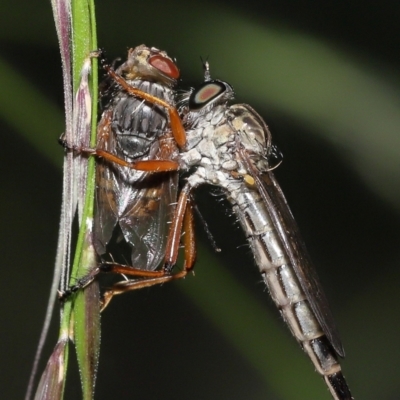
(80, 284)
(127, 286)
(189, 238)
(143, 165)
(183, 219)
(128, 270)
(150, 278)
(176, 124)
(112, 268)
(162, 163)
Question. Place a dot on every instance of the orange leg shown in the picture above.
(177, 129)
(129, 285)
(176, 124)
(183, 215)
(189, 238)
(116, 269)
(141, 165)
(183, 218)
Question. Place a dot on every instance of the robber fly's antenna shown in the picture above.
(206, 67)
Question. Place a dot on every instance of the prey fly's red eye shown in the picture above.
(164, 65)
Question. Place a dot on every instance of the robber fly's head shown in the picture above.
(149, 64)
(210, 93)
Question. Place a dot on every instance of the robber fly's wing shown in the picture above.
(289, 234)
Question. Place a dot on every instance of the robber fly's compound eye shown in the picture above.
(164, 65)
(207, 93)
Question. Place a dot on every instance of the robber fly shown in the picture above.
(136, 177)
(229, 146)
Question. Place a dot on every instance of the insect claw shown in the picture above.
(96, 53)
(64, 295)
(168, 267)
(62, 141)
(102, 57)
(105, 267)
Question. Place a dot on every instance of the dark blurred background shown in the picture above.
(324, 75)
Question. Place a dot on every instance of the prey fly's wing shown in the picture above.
(139, 202)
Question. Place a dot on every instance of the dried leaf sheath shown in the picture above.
(79, 116)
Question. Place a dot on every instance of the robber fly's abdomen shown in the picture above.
(285, 288)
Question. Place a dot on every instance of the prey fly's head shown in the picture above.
(151, 64)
